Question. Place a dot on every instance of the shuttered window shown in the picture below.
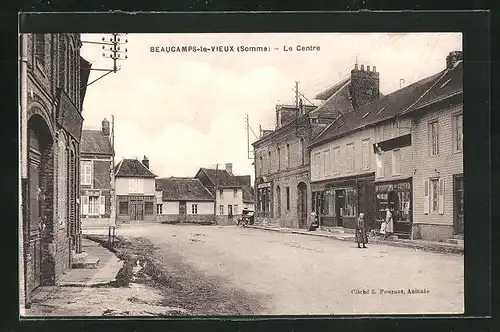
(426, 196)
(365, 162)
(441, 196)
(86, 171)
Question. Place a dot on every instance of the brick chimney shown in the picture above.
(105, 128)
(145, 162)
(453, 58)
(229, 168)
(365, 86)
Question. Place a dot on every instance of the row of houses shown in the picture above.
(130, 192)
(53, 82)
(359, 151)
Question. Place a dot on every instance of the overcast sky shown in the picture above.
(187, 110)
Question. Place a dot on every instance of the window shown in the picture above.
(288, 156)
(149, 207)
(278, 202)
(457, 133)
(62, 190)
(136, 185)
(40, 48)
(235, 193)
(301, 151)
(159, 208)
(434, 195)
(395, 128)
(123, 208)
(350, 157)
(235, 209)
(278, 151)
(336, 160)
(269, 162)
(194, 209)
(260, 165)
(396, 162)
(433, 138)
(93, 205)
(380, 166)
(221, 193)
(326, 162)
(350, 203)
(365, 156)
(221, 209)
(86, 173)
(320, 165)
(288, 198)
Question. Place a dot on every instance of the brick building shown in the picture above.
(231, 195)
(380, 156)
(135, 191)
(97, 196)
(184, 200)
(282, 159)
(53, 85)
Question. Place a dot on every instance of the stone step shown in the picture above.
(89, 263)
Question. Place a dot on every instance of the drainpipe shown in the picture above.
(23, 103)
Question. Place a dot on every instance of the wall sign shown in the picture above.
(68, 116)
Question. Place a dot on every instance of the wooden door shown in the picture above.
(136, 210)
(302, 204)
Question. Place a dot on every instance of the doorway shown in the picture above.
(230, 212)
(339, 203)
(302, 204)
(458, 205)
(136, 210)
(37, 226)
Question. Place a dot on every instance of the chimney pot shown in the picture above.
(367, 68)
(355, 66)
(374, 69)
(362, 67)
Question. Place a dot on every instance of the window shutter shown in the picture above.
(85, 204)
(426, 196)
(102, 205)
(91, 174)
(441, 196)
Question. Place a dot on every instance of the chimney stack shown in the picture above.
(105, 127)
(453, 58)
(364, 87)
(229, 168)
(362, 67)
(374, 69)
(367, 68)
(145, 162)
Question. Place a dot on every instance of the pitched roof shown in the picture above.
(399, 102)
(132, 168)
(246, 185)
(94, 142)
(327, 93)
(221, 178)
(182, 189)
(338, 102)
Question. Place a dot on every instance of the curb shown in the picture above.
(436, 248)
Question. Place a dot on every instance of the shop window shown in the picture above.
(159, 208)
(123, 208)
(149, 207)
(350, 203)
(403, 205)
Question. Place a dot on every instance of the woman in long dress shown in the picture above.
(361, 231)
(389, 229)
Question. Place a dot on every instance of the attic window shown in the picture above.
(364, 116)
(383, 108)
(442, 86)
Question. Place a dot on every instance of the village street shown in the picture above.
(272, 273)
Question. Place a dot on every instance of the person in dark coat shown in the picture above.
(361, 230)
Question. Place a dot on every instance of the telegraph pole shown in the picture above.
(112, 49)
(297, 94)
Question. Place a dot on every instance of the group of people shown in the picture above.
(386, 228)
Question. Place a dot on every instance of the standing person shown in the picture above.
(389, 229)
(361, 230)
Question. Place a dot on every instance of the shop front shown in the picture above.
(338, 203)
(397, 196)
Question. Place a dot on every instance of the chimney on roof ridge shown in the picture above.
(374, 69)
(362, 67)
(229, 168)
(355, 66)
(145, 162)
(367, 68)
(105, 127)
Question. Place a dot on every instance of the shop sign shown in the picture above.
(264, 185)
(92, 193)
(393, 186)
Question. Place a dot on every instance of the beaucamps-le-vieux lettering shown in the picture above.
(193, 48)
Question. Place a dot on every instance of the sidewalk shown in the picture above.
(424, 245)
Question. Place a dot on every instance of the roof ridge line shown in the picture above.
(446, 71)
(333, 95)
